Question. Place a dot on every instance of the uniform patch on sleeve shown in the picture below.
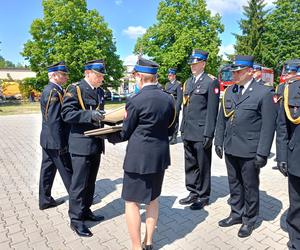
(275, 98)
(216, 90)
(125, 114)
(68, 94)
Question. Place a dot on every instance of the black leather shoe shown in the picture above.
(229, 221)
(245, 230)
(191, 198)
(199, 204)
(147, 247)
(81, 229)
(53, 203)
(92, 217)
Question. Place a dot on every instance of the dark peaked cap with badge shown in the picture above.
(96, 65)
(172, 71)
(61, 66)
(198, 56)
(257, 66)
(146, 66)
(240, 62)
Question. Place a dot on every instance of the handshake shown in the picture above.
(97, 117)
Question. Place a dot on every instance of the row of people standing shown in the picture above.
(246, 122)
(245, 129)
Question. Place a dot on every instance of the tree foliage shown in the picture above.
(281, 40)
(69, 31)
(181, 26)
(5, 63)
(252, 27)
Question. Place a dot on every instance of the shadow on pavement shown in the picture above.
(113, 209)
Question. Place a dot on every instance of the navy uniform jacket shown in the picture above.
(288, 132)
(81, 120)
(250, 128)
(175, 89)
(55, 131)
(149, 114)
(200, 112)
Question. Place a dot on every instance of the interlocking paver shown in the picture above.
(24, 226)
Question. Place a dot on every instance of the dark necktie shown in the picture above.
(240, 92)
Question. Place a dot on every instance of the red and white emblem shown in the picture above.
(275, 98)
(125, 114)
(216, 90)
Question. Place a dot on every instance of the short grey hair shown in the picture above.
(50, 75)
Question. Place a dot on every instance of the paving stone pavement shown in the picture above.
(24, 226)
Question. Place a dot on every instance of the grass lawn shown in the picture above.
(34, 108)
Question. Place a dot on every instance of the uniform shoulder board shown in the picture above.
(75, 83)
(212, 77)
(268, 84)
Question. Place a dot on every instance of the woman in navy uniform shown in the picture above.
(54, 136)
(288, 154)
(82, 109)
(148, 122)
(245, 127)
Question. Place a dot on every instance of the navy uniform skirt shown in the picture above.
(142, 188)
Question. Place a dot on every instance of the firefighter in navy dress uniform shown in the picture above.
(245, 128)
(54, 137)
(200, 110)
(290, 73)
(149, 120)
(83, 109)
(174, 88)
(288, 154)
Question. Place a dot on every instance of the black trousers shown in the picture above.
(197, 169)
(243, 179)
(52, 161)
(293, 216)
(176, 126)
(85, 169)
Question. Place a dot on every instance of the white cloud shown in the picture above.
(130, 60)
(134, 31)
(230, 6)
(118, 2)
(228, 49)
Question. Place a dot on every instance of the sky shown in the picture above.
(128, 19)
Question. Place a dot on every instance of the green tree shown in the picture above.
(252, 27)
(5, 63)
(182, 25)
(281, 39)
(70, 32)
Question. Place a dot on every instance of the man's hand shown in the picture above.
(260, 161)
(207, 142)
(114, 137)
(283, 168)
(97, 115)
(219, 151)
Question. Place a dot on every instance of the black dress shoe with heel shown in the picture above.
(229, 221)
(245, 230)
(81, 229)
(199, 204)
(147, 247)
(191, 198)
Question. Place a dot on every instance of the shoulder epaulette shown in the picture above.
(268, 84)
(212, 76)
